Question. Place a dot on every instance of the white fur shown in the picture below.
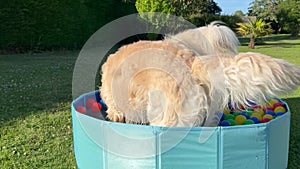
(206, 74)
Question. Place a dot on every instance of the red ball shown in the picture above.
(96, 107)
(81, 109)
(269, 109)
(266, 120)
(256, 107)
(279, 104)
(90, 103)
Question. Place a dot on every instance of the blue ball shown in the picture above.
(222, 117)
(279, 114)
(104, 107)
(225, 123)
(270, 112)
(246, 115)
(255, 120)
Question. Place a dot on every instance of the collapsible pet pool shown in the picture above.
(101, 144)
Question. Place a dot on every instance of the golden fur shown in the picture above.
(186, 85)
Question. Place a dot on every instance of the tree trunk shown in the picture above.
(295, 31)
(252, 43)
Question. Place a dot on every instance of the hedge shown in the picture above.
(52, 24)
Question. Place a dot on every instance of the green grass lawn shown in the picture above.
(35, 116)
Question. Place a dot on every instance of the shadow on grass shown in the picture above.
(272, 40)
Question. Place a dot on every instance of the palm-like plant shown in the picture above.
(254, 29)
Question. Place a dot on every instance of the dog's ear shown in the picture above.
(257, 77)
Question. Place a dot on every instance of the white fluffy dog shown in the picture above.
(187, 78)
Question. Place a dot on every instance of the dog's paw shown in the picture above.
(116, 118)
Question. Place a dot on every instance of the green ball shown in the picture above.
(247, 122)
(229, 116)
(236, 113)
(232, 122)
(249, 113)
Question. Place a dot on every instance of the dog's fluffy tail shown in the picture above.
(213, 39)
(257, 77)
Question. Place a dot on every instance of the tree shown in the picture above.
(163, 6)
(289, 15)
(239, 13)
(254, 29)
(188, 9)
(266, 10)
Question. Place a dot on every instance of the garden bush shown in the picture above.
(55, 24)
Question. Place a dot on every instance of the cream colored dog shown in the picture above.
(187, 78)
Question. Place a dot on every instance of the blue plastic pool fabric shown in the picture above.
(101, 144)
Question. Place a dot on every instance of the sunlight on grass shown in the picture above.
(282, 47)
(35, 118)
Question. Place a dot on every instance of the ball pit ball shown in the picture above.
(272, 102)
(269, 109)
(89, 103)
(226, 111)
(81, 109)
(259, 111)
(279, 109)
(270, 113)
(265, 120)
(229, 116)
(268, 116)
(255, 120)
(279, 104)
(232, 122)
(225, 123)
(279, 114)
(96, 107)
(248, 122)
(104, 107)
(258, 116)
(254, 114)
(240, 119)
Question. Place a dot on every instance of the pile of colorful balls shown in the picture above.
(253, 114)
(92, 107)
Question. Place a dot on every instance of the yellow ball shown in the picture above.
(279, 109)
(272, 102)
(259, 111)
(226, 111)
(268, 116)
(258, 116)
(240, 119)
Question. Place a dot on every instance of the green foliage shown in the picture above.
(229, 20)
(265, 9)
(40, 24)
(254, 29)
(239, 13)
(289, 15)
(196, 8)
(157, 6)
(191, 10)
(268, 11)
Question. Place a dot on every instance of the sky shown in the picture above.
(230, 6)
